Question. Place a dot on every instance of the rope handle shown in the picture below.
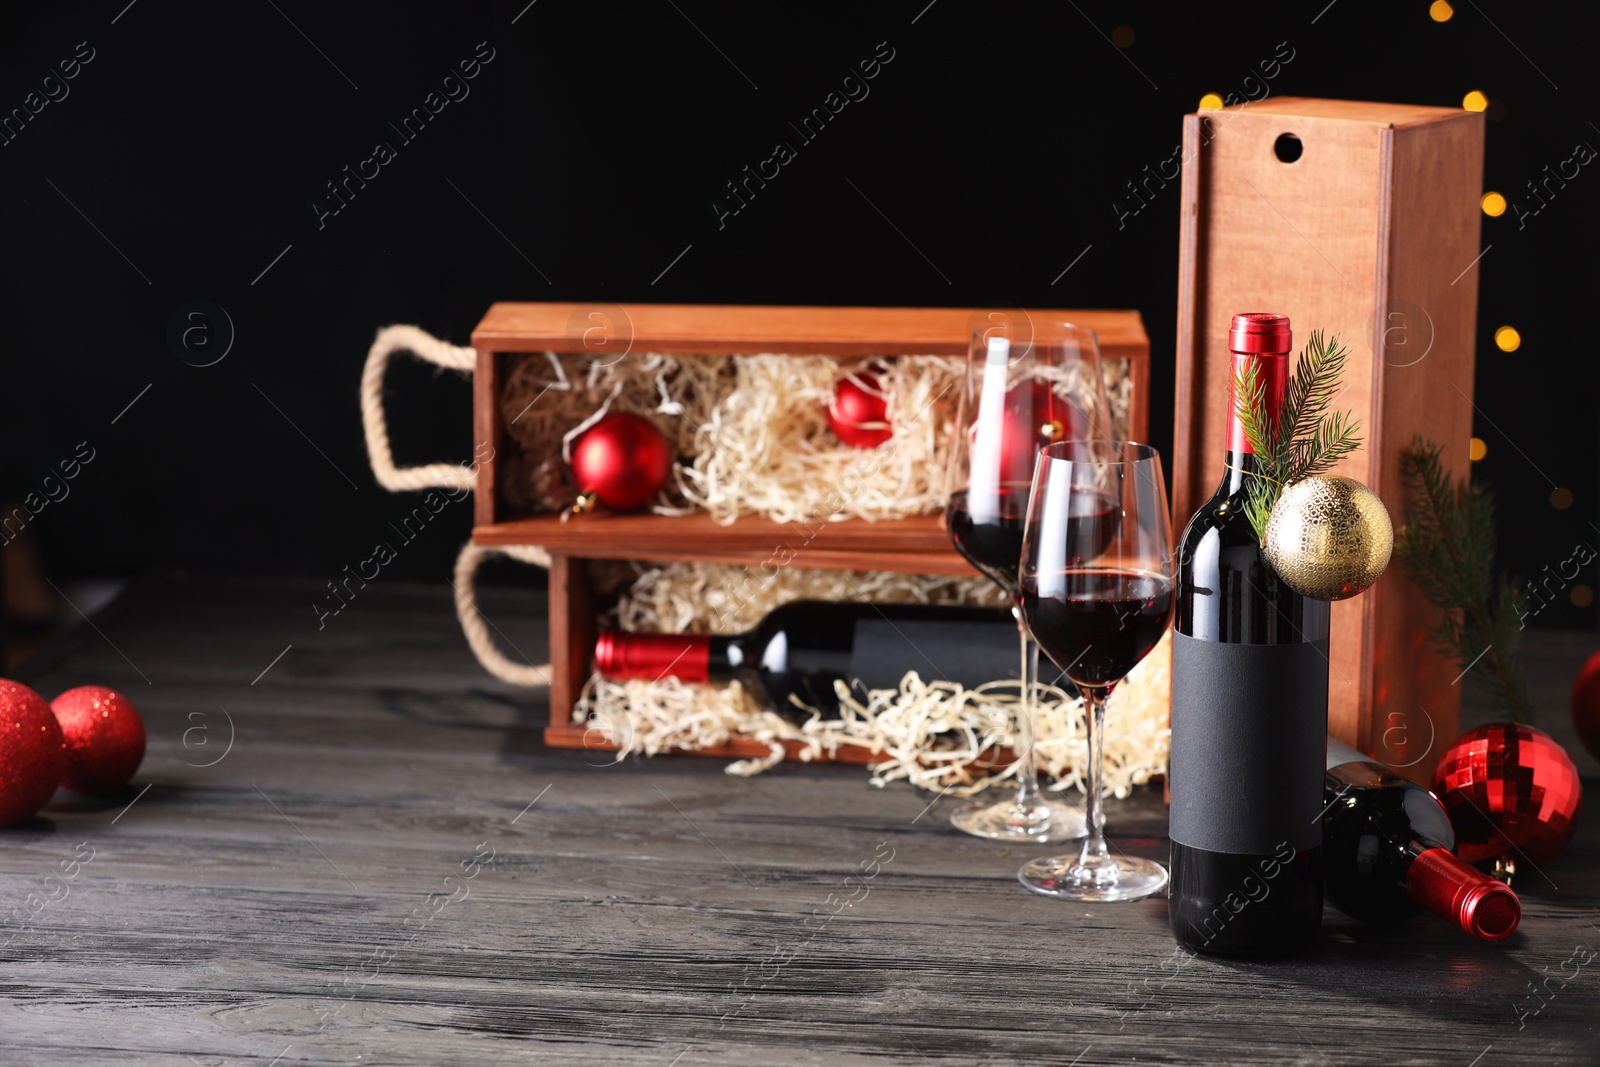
(392, 339)
(474, 624)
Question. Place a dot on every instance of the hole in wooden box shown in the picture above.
(1288, 148)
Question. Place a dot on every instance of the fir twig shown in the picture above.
(1303, 440)
(1447, 545)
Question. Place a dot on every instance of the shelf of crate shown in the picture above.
(613, 331)
(916, 545)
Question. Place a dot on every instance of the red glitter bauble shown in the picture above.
(1586, 705)
(859, 411)
(104, 736)
(1511, 791)
(623, 460)
(32, 752)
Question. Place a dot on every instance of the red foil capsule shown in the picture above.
(1260, 332)
(1480, 905)
(623, 656)
(1262, 339)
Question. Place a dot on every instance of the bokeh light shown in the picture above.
(1561, 498)
(1582, 595)
(1476, 450)
(1493, 204)
(1507, 339)
(1475, 101)
(1211, 102)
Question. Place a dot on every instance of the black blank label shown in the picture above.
(1249, 724)
(970, 653)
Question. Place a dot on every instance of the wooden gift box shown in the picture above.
(917, 545)
(1372, 232)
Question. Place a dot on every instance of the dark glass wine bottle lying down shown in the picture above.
(802, 648)
(1386, 852)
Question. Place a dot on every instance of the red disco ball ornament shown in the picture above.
(622, 460)
(859, 411)
(1586, 705)
(104, 736)
(1511, 792)
(32, 752)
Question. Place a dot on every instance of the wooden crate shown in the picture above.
(916, 545)
(1372, 233)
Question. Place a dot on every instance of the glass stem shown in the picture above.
(1093, 858)
(1030, 802)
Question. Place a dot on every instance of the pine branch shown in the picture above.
(1312, 388)
(1447, 544)
(1302, 440)
(1261, 433)
(1331, 439)
(1259, 501)
(1250, 403)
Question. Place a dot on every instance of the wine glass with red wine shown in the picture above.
(1029, 382)
(1097, 594)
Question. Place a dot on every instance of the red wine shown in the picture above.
(802, 648)
(1249, 714)
(1387, 845)
(1096, 625)
(992, 542)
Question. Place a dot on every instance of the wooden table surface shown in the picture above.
(386, 867)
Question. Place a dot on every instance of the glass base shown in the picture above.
(1117, 878)
(1003, 820)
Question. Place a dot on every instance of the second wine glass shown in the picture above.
(1028, 382)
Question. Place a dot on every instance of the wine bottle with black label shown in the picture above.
(1249, 712)
(802, 648)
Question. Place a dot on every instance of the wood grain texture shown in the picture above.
(1365, 235)
(1374, 113)
(275, 905)
(572, 628)
(1427, 347)
(916, 545)
(487, 435)
(711, 330)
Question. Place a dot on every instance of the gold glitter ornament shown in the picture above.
(1329, 538)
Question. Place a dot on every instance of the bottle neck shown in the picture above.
(650, 657)
(1479, 905)
(1239, 468)
(1272, 377)
(725, 655)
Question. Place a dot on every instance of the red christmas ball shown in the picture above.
(104, 736)
(1035, 416)
(32, 752)
(623, 460)
(1511, 791)
(859, 411)
(1586, 705)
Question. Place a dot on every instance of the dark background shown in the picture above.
(995, 141)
